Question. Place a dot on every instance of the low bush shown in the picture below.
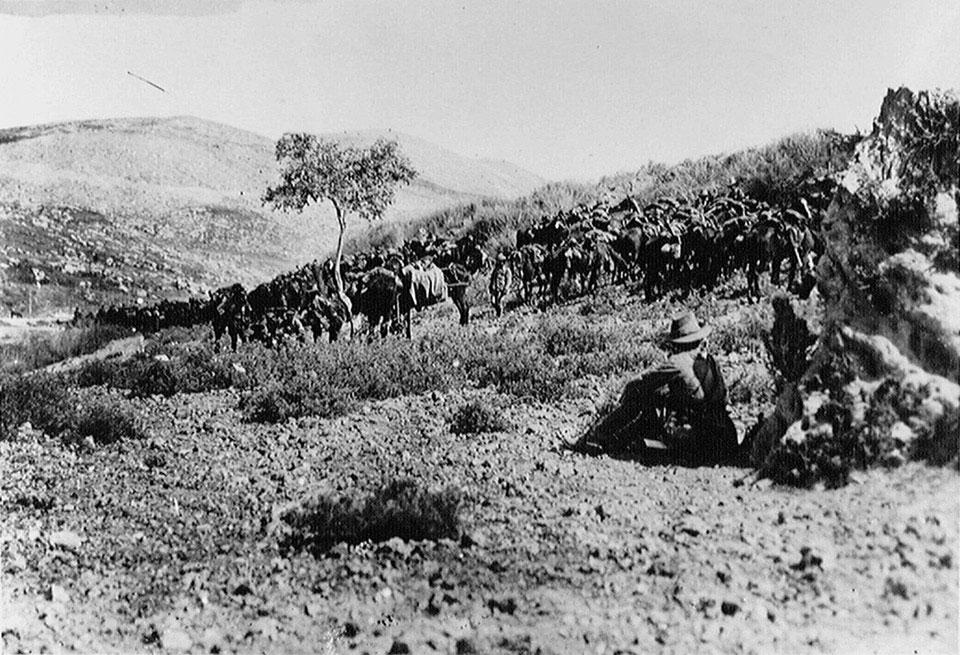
(328, 381)
(107, 422)
(183, 368)
(312, 396)
(98, 372)
(539, 363)
(400, 508)
(940, 445)
(47, 404)
(477, 417)
(43, 400)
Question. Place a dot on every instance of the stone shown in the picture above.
(398, 648)
(693, 526)
(58, 594)
(472, 540)
(65, 539)
(175, 639)
(265, 626)
(212, 639)
(729, 608)
(16, 562)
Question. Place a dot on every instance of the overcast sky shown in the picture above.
(566, 89)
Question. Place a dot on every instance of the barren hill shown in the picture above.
(150, 205)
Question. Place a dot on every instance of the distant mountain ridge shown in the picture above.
(186, 191)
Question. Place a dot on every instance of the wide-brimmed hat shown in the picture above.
(686, 329)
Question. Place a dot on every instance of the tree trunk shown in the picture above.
(337, 276)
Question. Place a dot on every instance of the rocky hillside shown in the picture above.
(155, 207)
(883, 378)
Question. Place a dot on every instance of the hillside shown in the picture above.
(158, 206)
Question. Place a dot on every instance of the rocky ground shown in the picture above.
(169, 544)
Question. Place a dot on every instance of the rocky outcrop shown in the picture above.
(883, 380)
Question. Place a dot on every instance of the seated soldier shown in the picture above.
(682, 404)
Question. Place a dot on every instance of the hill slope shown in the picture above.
(154, 205)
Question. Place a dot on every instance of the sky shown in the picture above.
(566, 89)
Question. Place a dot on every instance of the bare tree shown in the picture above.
(361, 181)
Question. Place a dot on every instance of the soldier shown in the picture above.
(681, 404)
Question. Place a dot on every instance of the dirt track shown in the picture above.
(564, 553)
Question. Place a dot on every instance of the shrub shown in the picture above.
(571, 339)
(400, 508)
(940, 444)
(98, 372)
(107, 422)
(184, 368)
(326, 382)
(153, 378)
(275, 402)
(41, 399)
(477, 417)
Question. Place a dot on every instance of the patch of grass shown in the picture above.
(745, 333)
(477, 417)
(41, 350)
(571, 338)
(400, 508)
(540, 363)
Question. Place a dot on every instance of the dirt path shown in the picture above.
(166, 544)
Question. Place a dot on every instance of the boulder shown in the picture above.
(887, 363)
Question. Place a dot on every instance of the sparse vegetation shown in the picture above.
(540, 364)
(40, 350)
(47, 403)
(167, 368)
(400, 508)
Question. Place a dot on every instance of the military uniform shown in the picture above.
(682, 403)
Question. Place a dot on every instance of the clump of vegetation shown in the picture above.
(188, 368)
(98, 372)
(311, 396)
(107, 422)
(940, 445)
(43, 400)
(47, 404)
(477, 417)
(326, 382)
(400, 508)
